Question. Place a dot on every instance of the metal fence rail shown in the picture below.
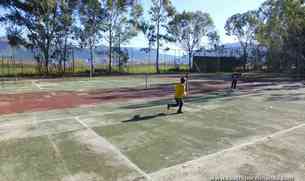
(129, 60)
(138, 61)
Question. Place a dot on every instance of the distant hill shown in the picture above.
(19, 53)
(232, 45)
(136, 55)
(3, 44)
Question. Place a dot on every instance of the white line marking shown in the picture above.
(59, 155)
(37, 85)
(68, 117)
(234, 148)
(117, 151)
(56, 149)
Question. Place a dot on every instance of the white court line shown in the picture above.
(57, 151)
(117, 151)
(64, 118)
(37, 85)
(234, 148)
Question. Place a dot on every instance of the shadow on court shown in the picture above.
(138, 118)
(191, 99)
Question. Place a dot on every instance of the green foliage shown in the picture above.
(36, 24)
(51, 29)
(243, 26)
(154, 29)
(89, 33)
(91, 17)
(282, 30)
(121, 23)
(189, 28)
(214, 39)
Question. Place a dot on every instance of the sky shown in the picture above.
(220, 11)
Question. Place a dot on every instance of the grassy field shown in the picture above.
(81, 84)
(258, 130)
(13, 69)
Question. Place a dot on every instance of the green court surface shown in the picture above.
(82, 84)
(225, 133)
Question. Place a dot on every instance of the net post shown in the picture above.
(2, 66)
(8, 66)
(146, 81)
(187, 76)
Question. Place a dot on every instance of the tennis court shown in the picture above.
(118, 128)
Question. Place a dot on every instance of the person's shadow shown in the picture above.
(138, 118)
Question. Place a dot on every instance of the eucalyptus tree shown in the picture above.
(35, 25)
(244, 27)
(89, 33)
(189, 28)
(121, 22)
(271, 32)
(214, 40)
(65, 31)
(282, 31)
(160, 13)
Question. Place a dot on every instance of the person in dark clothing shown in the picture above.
(235, 78)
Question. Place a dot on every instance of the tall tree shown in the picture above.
(125, 29)
(65, 32)
(160, 13)
(244, 27)
(281, 30)
(271, 32)
(120, 18)
(34, 24)
(92, 17)
(147, 29)
(214, 40)
(189, 28)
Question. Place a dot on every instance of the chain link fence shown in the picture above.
(126, 60)
(123, 60)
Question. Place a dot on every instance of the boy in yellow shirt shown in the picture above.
(179, 95)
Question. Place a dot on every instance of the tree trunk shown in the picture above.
(65, 55)
(64, 71)
(190, 61)
(158, 40)
(46, 66)
(38, 61)
(91, 61)
(46, 55)
(256, 59)
(157, 57)
(73, 60)
(60, 65)
(110, 50)
(245, 59)
(297, 60)
(46, 59)
(120, 63)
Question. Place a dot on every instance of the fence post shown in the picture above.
(2, 67)
(21, 63)
(8, 66)
(73, 61)
(146, 81)
(16, 68)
